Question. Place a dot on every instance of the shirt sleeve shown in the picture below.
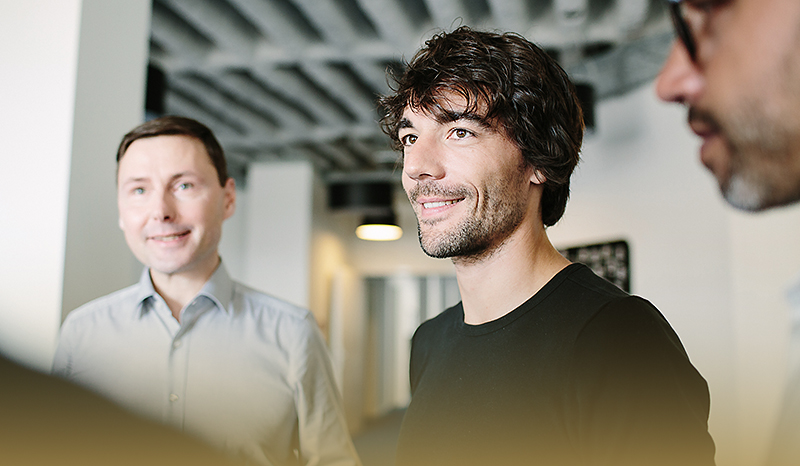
(63, 357)
(323, 433)
(638, 399)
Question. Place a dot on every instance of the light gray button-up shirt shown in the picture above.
(245, 371)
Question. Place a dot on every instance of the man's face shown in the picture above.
(468, 183)
(171, 205)
(743, 95)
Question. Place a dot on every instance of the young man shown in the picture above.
(187, 345)
(542, 362)
(736, 68)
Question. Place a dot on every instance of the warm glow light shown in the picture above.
(377, 232)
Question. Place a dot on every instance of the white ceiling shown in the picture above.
(286, 79)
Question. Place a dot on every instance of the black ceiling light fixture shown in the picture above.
(379, 228)
(373, 199)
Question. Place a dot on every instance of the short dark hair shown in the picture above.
(179, 126)
(516, 86)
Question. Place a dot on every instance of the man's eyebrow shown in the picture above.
(182, 174)
(135, 179)
(449, 116)
(405, 123)
(173, 178)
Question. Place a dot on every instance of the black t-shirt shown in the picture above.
(580, 374)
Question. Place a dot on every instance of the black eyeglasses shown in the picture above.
(677, 9)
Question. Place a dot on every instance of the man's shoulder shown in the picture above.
(448, 316)
(580, 275)
(444, 323)
(591, 298)
(264, 305)
(118, 301)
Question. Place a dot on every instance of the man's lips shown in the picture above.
(713, 149)
(167, 237)
(430, 199)
(702, 124)
(435, 204)
(702, 129)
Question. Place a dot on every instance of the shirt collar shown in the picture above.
(146, 289)
(218, 288)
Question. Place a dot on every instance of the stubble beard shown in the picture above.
(760, 157)
(473, 239)
(763, 136)
(483, 232)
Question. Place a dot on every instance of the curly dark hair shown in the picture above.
(517, 88)
(179, 126)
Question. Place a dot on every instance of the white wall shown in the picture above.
(67, 89)
(109, 102)
(36, 91)
(277, 233)
(231, 245)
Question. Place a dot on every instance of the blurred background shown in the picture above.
(290, 88)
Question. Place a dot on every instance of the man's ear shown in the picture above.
(230, 197)
(537, 177)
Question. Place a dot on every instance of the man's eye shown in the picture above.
(138, 191)
(183, 186)
(461, 133)
(408, 139)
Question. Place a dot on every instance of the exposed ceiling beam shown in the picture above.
(217, 23)
(333, 78)
(392, 22)
(299, 90)
(509, 15)
(271, 20)
(329, 18)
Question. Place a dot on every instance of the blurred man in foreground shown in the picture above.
(736, 67)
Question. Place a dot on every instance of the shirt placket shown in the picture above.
(178, 365)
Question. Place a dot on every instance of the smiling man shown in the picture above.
(542, 362)
(187, 345)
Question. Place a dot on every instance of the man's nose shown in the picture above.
(423, 160)
(680, 79)
(163, 207)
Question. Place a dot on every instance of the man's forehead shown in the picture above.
(157, 155)
(168, 142)
(446, 108)
(168, 147)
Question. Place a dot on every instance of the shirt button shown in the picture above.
(173, 397)
(177, 343)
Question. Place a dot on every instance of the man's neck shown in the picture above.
(499, 283)
(179, 288)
